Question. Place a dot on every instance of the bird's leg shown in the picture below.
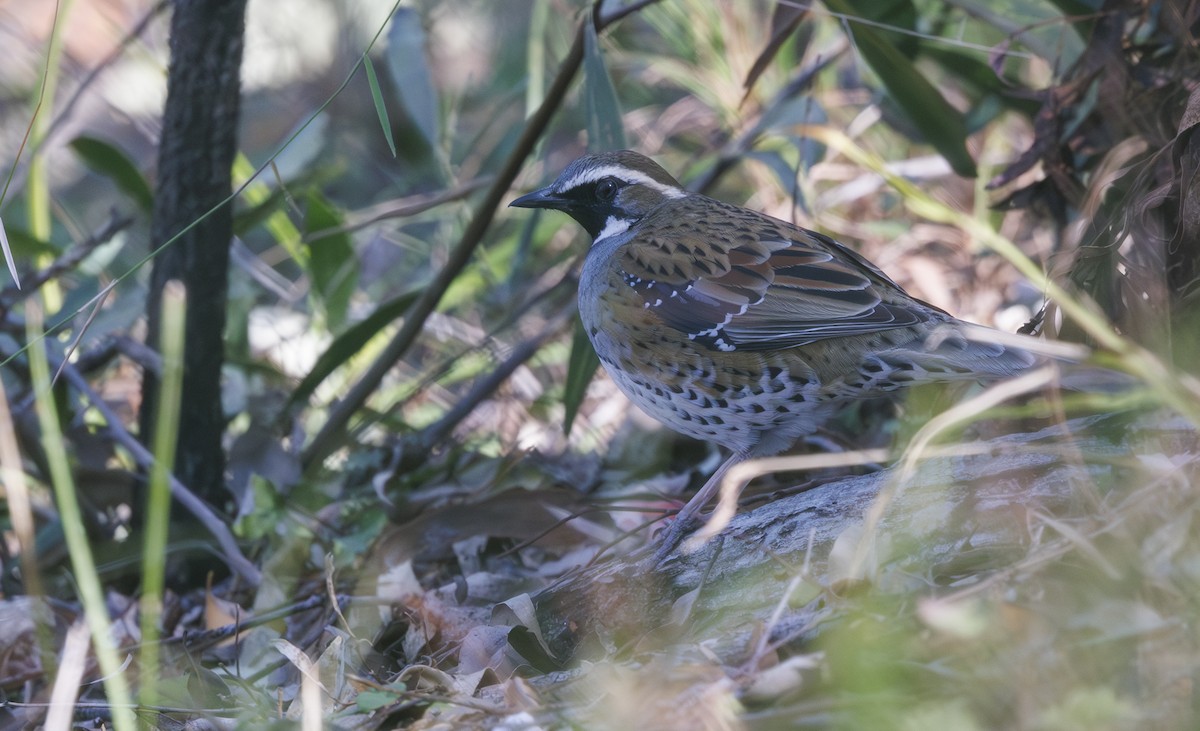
(674, 533)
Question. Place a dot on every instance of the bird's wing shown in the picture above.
(766, 285)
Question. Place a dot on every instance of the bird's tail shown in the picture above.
(960, 351)
(998, 353)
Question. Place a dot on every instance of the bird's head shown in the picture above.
(607, 192)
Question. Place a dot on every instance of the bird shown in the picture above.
(740, 329)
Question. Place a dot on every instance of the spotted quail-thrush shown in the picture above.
(737, 328)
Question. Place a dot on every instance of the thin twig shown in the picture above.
(488, 342)
(67, 262)
(134, 33)
(155, 250)
(410, 206)
(733, 151)
(485, 386)
(197, 507)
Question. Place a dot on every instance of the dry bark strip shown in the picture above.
(956, 520)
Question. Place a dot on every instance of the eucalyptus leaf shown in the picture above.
(332, 264)
(372, 700)
(606, 131)
(581, 368)
(942, 125)
(891, 19)
(25, 245)
(784, 22)
(410, 72)
(796, 111)
(107, 160)
(606, 128)
(784, 172)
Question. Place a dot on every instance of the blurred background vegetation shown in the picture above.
(372, 256)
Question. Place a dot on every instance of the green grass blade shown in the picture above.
(257, 194)
(91, 593)
(37, 182)
(380, 108)
(8, 257)
(166, 434)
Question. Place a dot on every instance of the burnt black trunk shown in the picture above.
(199, 138)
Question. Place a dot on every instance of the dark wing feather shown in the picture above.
(763, 285)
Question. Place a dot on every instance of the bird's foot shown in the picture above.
(671, 538)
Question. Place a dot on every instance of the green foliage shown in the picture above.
(348, 344)
(411, 74)
(605, 125)
(380, 108)
(941, 124)
(581, 368)
(107, 160)
(332, 263)
(158, 504)
(606, 131)
(343, 232)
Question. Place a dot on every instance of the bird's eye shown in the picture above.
(606, 189)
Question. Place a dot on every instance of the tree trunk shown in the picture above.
(199, 138)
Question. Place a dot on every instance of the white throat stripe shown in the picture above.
(622, 173)
(612, 227)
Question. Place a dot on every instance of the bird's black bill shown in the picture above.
(543, 198)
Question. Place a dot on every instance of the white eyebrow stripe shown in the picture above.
(591, 175)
